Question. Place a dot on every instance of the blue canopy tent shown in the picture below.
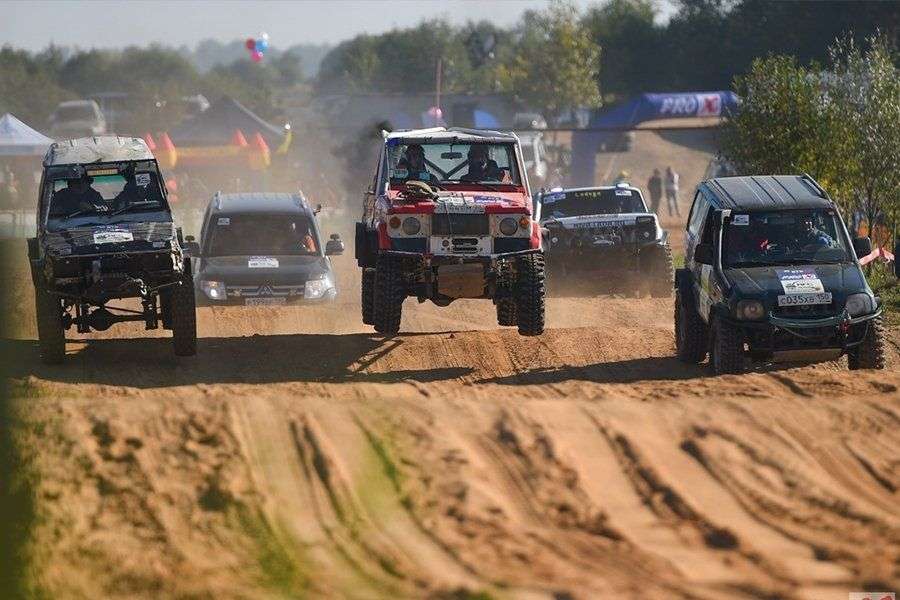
(637, 111)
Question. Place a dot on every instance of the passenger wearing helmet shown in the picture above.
(78, 195)
(413, 162)
(481, 167)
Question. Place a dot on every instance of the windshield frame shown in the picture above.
(546, 207)
(842, 237)
(516, 166)
(55, 173)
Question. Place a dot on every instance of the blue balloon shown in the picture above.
(262, 45)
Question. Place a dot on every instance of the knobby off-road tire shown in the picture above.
(51, 333)
(658, 268)
(870, 354)
(727, 352)
(691, 337)
(184, 318)
(367, 299)
(506, 312)
(389, 294)
(530, 294)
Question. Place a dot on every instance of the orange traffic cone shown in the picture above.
(260, 158)
(166, 154)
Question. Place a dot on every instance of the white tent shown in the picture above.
(18, 139)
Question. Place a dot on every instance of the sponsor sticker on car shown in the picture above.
(113, 236)
(262, 262)
(804, 299)
(800, 281)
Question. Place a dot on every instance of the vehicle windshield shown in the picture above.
(105, 192)
(784, 238)
(449, 164)
(78, 112)
(262, 234)
(608, 201)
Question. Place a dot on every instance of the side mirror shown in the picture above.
(862, 247)
(318, 209)
(704, 254)
(334, 246)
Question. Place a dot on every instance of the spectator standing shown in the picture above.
(672, 192)
(654, 186)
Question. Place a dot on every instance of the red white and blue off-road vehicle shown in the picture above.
(449, 215)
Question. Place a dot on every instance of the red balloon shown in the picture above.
(256, 56)
(250, 44)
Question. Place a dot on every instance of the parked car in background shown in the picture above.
(77, 118)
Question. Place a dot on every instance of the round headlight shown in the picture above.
(394, 222)
(750, 310)
(411, 226)
(859, 304)
(508, 226)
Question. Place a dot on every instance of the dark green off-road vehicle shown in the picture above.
(772, 274)
(105, 232)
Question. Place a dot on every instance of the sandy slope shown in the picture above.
(299, 454)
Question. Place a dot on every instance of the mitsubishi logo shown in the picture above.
(265, 290)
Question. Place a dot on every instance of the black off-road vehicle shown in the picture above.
(105, 232)
(771, 274)
(604, 238)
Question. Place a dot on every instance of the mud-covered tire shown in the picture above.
(367, 297)
(506, 312)
(658, 269)
(727, 351)
(184, 318)
(51, 332)
(529, 291)
(691, 337)
(389, 293)
(870, 354)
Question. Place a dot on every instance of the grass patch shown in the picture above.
(279, 566)
(887, 287)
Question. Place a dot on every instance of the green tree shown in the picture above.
(630, 42)
(842, 125)
(556, 64)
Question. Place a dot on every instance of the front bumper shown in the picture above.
(783, 336)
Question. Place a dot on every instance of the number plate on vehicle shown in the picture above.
(263, 301)
(804, 299)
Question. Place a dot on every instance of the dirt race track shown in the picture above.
(299, 455)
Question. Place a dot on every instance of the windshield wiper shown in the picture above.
(131, 205)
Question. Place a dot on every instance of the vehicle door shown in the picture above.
(696, 232)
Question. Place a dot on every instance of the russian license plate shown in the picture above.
(263, 301)
(804, 299)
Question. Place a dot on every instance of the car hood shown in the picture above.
(595, 221)
(255, 270)
(770, 282)
(120, 237)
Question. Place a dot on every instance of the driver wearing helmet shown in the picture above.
(481, 167)
(414, 162)
(809, 235)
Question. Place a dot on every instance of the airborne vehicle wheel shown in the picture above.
(658, 269)
(184, 319)
(727, 348)
(387, 299)
(367, 301)
(51, 332)
(530, 294)
(506, 312)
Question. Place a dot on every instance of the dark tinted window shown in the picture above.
(261, 234)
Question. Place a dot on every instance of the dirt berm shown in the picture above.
(299, 455)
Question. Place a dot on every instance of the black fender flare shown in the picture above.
(365, 245)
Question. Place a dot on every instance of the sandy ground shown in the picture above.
(300, 455)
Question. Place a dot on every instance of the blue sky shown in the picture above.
(34, 24)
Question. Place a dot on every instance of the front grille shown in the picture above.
(811, 311)
(263, 291)
(459, 224)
